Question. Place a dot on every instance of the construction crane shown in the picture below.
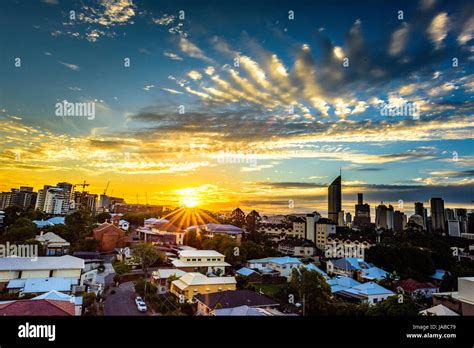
(84, 184)
(105, 191)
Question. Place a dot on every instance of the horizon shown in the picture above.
(245, 110)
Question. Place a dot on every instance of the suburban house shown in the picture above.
(160, 231)
(35, 276)
(204, 261)
(351, 289)
(66, 266)
(53, 244)
(192, 284)
(160, 278)
(210, 230)
(41, 285)
(461, 301)
(266, 275)
(59, 296)
(283, 265)
(415, 289)
(207, 303)
(297, 247)
(110, 237)
(347, 266)
(37, 307)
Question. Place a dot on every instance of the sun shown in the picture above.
(190, 202)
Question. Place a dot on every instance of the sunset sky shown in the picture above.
(290, 108)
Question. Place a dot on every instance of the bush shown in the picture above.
(140, 287)
(121, 267)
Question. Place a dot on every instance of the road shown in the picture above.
(122, 302)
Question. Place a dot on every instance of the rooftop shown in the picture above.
(235, 298)
(42, 262)
(40, 285)
(38, 307)
(411, 285)
(200, 253)
(195, 278)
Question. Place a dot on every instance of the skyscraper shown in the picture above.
(420, 210)
(362, 212)
(437, 215)
(399, 221)
(334, 199)
(384, 216)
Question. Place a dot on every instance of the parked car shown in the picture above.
(141, 305)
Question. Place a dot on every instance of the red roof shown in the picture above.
(410, 285)
(37, 307)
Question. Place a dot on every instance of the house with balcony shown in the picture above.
(193, 284)
(203, 261)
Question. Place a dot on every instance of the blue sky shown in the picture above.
(304, 100)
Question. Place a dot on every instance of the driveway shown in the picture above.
(122, 302)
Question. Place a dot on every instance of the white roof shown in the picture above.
(166, 273)
(200, 253)
(46, 262)
(51, 238)
(439, 310)
(195, 278)
(179, 263)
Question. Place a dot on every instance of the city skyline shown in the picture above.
(187, 121)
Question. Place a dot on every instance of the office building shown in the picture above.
(334, 199)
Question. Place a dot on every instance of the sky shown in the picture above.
(257, 104)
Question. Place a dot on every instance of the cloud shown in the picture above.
(438, 29)
(467, 31)
(166, 19)
(192, 50)
(170, 90)
(148, 87)
(195, 75)
(399, 40)
(172, 56)
(70, 66)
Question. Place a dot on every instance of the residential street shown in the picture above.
(122, 302)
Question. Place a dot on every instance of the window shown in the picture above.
(51, 273)
(375, 300)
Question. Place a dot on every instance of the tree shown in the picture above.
(193, 239)
(226, 245)
(237, 218)
(102, 217)
(392, 307)
(146, 255)
(252, 222)
(78, 226)
(12, 214)
(311, 290)
(20, 231)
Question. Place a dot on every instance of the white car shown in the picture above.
(141, 305)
